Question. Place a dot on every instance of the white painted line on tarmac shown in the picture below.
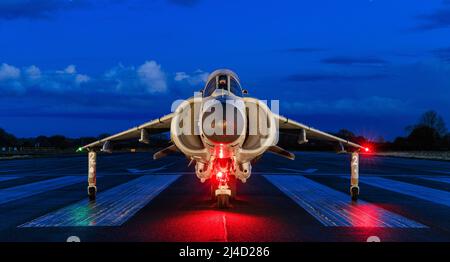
(111, 208)
(335, 209)
(421, 192)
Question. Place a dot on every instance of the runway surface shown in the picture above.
(307, 199)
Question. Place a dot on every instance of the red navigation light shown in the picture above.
(367, 148)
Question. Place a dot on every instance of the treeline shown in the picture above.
(9, 142)
(429, 133)
(56, 141)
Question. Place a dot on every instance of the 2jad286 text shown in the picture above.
(245, 252)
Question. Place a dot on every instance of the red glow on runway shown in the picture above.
(211, 225)
(367, 216)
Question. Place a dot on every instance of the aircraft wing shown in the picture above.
(286, 124)
(155, 126)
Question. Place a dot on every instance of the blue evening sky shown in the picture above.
(86, 67)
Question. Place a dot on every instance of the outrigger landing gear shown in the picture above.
(354, 180)
(92, 175)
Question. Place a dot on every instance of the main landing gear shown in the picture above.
(223, 191)
(354, 179)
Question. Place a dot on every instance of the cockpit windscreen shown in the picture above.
(224, 82)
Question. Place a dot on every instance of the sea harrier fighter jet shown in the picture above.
(223, 131)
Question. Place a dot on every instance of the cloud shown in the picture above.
(33, 72)
(355, 61)
(10, 80)
(199, 77)
(79, 79)
(121, 91)
(8, 72)
(440, 18)
(152, 77)
(180, 76)
(442, 53)
(186, 3)
(316, 77)
(70, 69)
(146, 79)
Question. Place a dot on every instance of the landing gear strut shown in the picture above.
(92, 175)
(223, 180)
(354, 179)
(223, 191)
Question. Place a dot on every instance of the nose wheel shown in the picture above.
(223, 193)
(92, 192)
(223, 201)
(354, 192)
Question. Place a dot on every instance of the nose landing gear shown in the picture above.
(223, 190)
(223, 182)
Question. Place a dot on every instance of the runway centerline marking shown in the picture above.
(421, 192)
(22, 191)
(225, 232)
(112, 207)
(335, 209)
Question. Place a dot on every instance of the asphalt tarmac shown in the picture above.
(139, 199)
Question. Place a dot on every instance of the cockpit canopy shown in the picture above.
(223, 79)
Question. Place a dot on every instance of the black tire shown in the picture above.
(223, 201)
(354, 192)
(92, 192)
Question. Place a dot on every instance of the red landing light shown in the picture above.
(367, 150)
(219, 174)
